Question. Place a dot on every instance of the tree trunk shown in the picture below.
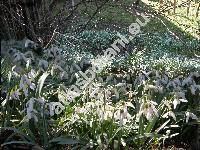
(197, 12)
(160, 5)
(174, 7)
(31, 17)
(22, 18)
(188, 7)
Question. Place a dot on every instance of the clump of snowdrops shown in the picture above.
(136, 108)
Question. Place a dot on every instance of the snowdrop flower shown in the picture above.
(157, 74)
(105, 113)
(140, 80)
(129, 104)
(118, 116)
(116, 93)
(90, 105)
(160, 89)
(190, 115)
(123, 116)
(151, 87)
(24, 83)
(147, 73)
(193, 88)
(158, 82)
(120, 84)
(148, 109)
(180, 94)
(177, 81)
(28, 62)
(64, 75)
(32, 74)
(169, 113)
(25, 90)
(151, 111)
(109, 78)
(30, 111)
(41, 100)
(196, 74)
(43, 64)
(15, 95)
(24, 80)
(187, 81)
(12, 51)
(131, 94)
(30, 44)
(101, 114)
(80, 110)
(16, 70)
(176, 84)
(170, 83)
(108, 94)
(32, 86)
(17, 57)
(177, 101)
(165, 79)
(30, 54)
(54, 52)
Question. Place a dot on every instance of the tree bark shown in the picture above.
(174, 7)
(188, 7)
(22, 17)
(160, 5)
(197, 12)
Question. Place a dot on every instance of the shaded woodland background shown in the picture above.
(39, 20)
(66, 36)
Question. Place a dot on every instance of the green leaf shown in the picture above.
(9, 76)
(41, 82)
(19, 132)
(13, 135)
(64, 140)
(146, 135)
(152, 123)
(141, 125)
(162, 126)
(17, 142)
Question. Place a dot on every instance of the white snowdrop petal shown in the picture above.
(183, 100)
